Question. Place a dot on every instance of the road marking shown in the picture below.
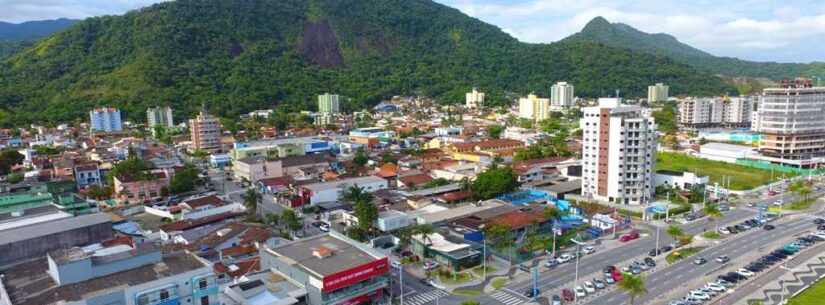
(506, 298)
(425, 297)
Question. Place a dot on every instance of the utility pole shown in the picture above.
(578, 255)
(484, 256)
(401, 284)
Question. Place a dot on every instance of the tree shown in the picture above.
(98, 192)
(495, 131)
(354, 194)
(633, 285)
(494, 182)
(367, 214)
(8, 159)
(14, 178)
(251, 199)
(713, 212)
(551, 212)
(499, 235)
(425, 230)
(360, 158)
(133, 167)
(184, 180)
(290, 219)
(675, 231)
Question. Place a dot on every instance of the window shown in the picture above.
(204, 300)
(164, 295)
(202, 284)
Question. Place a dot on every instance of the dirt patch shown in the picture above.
(319, 45)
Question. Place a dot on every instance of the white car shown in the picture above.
(589, 250)
(323, 227)
(724, 231)
(819, 234)
(745, 272)
(580, 293)
(715, 287)
(589, 287)
(430, 265)
(778, 203)
(564, 258)
(395, 264)
(699, 295)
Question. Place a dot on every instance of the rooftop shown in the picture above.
(339, 255)
(21, 233)
(30, 284)
(343, 182)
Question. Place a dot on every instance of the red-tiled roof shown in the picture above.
(519, 219)
(239, 250)
(244, 267)
(255, 234)
(387, 170)
(417, 179)
(456, 196)
(190, 223)
(494, 143)
(277, 181)
(204, 201)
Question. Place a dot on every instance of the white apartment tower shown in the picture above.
(710, 111)
(329, 103)
(474, 99)
(105, 119)
(792, 121)
(159, 116)
(561, 95)
(618, 153)
(205, 131)
(534, 108)
(657, 93)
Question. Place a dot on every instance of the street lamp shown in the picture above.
(578, 255)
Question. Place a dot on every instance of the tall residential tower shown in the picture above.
(159, 116)
(474, 99)
(657, 93)
(792, 121)
(105, 119)
(329, 103)
(205, 131)
(561, 95)
(618, 153)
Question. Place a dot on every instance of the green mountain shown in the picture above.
(620, 35)
(32, 30)
(240, 55)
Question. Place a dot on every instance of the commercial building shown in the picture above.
(129, 190)
(371, 136)
(333, 269)
(264, 288)
(680, 180)
(280, 148)
(561, 95)
(118, 273)
(792, 121)
(724, 152)
(533, 108)
(256, 168)
(105, 119)
(618, 153)
(715, 111)
(316, 193)
(453, 256)
(45, 229)
(329, 103)
(205, 131)
(159, 116)
(474, 99)
(658, 92)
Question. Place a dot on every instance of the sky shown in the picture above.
(762, 30)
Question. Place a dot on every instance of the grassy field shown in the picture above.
(742, 177)
(812, 296)
(499, 282)
(711, 235)
(801, 204)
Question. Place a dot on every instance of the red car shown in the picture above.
(617, 276)
(567, 295)
(629, 236)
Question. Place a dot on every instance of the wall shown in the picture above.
(40, 246)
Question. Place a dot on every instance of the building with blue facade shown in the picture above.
(105, 119)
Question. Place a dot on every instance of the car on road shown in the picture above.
(700, 261)
(609, 280)
(395, 264)
(430, 265)
(768, 227)
(723, 231)
(722, 259)
(564, 258)
(556, 300)
(588, 250)
(654, 252)
(819, 220)
(650, 262)
(599, 284)
(629, 236)
(567, 295)
(589, 287)
(323, 227)
(772, 193)
(531, 293)
(551, 263)
(617, 276)
(580, 292)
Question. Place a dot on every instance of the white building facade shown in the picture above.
(561, 95)
(105, 119)
(534, 108)
(792, 121)
(159, 116)
(618, 153)
(658, 92)
(474, 99)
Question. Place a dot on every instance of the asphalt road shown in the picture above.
(684, 275)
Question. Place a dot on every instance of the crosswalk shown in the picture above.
(507, 298)
(424, 297)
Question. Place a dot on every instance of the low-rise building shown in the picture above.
(680, 180)
(334, 269)
(450, 255)
(316, 193)
(129, 190)
(86, 175)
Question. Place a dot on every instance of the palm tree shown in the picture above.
(633, 285)
(355, 194)
(675, 232)
(425, 230)
(251, 199)
(551, 212)
(712, 210)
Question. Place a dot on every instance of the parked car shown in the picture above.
(567, 295)
(722, 259)
(589, 287)
(700, 261)
(599, 284)
(580, 292)
(745, 272)
(556, 300)
(564, 258)
(617, 276)
(650, 262)
(531, 293)
(723, 231)
(588, 250)
(768, 227)
(430, 265)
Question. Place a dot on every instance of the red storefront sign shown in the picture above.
(354, 275)
(362, 298)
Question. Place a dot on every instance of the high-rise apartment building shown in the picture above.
(159, 116)
(792, 121)
(534, 108)
(329, 103)
(710, 111)
(657, 92)
(474, 99)
(105, 119)
(205, 131)
(618, 153)
(561, 95)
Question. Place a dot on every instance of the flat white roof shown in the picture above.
(338, 183)
(438, 243)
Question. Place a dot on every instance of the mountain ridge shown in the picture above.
(238, 56)
(620, 35)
